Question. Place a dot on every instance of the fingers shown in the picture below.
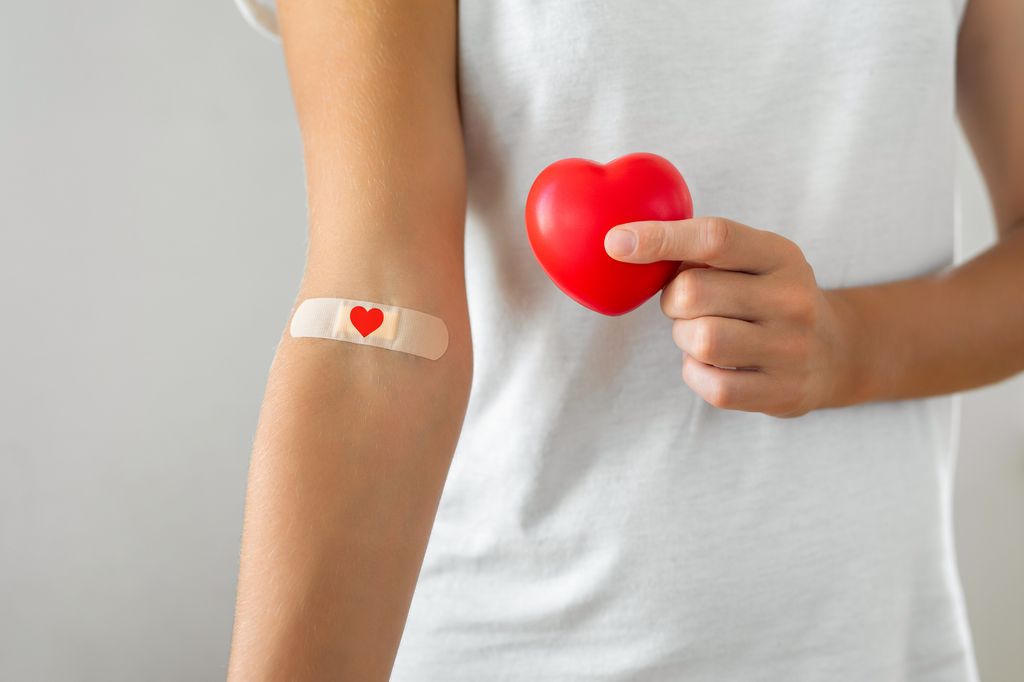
(697, 292)
(729, 389)
(723, 342)
(709, 240)
(742, 389)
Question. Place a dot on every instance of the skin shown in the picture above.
(354, 442)
(759, 335)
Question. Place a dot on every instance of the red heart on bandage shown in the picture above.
(366, 320)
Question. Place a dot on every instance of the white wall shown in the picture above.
(989, 502)
(151, 236)
(152, 230)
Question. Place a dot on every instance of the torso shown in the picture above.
(600, 521)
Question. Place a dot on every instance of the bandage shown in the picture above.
(371, 324)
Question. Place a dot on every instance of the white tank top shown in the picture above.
(601, 521)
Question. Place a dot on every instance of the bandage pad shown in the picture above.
(372, 324)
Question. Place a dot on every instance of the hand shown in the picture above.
(756, 331)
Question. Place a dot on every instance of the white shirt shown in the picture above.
(601, 521)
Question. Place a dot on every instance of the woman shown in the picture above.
(613, 508)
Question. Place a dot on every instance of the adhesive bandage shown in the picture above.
(371, 324)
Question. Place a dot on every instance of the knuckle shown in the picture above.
(679, 334)
(654, 241)
(720, 393)
(714, 236)
(799, 304)
(666, 300)
(669, 294)
(806, 310)
(789, 253)
(791, 249)
(716, 390)
(686, 293)
(706, 339)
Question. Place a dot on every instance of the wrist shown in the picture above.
(857, 371)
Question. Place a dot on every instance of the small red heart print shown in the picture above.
(366, 320)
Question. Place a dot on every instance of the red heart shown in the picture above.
(574, 202)
(366, 320)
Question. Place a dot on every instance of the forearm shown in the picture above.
(350, 458)
(938, 334)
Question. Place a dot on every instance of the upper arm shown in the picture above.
(990, 100)
(375, 89)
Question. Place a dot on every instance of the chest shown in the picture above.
(554, 59)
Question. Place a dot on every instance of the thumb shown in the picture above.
(644, 241)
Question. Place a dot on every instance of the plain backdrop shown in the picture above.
(152, 232)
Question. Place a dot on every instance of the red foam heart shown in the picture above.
(366, 320)
(574, 202)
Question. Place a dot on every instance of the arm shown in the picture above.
(354, 442)
(759, 308)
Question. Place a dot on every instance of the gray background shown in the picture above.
(152, 220)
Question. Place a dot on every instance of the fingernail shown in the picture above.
(620, 242)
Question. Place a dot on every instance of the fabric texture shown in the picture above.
(602, 522)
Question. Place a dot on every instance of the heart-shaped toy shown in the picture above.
(366, 321)
(574, 202)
